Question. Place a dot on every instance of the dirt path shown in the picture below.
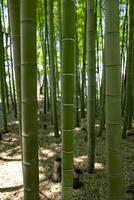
(11, 186)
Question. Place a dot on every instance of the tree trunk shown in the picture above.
(91, 83)
(29, 100)
(14, 13)
(113, 101)
(52, 69)
(68, 98)
(2, 82)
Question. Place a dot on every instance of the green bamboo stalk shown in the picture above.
(68, 37)
(133, 65)
(102, 88)
(102, 100)
(97, 58)
(91, 83)
(14, 13)
(84, 66)
(124, 44)
(56, 67)
(52, 69)
(128, 116)
(6, 87)
(13, 81)
(76, 98)
(8, 69)
(113, 101)
(97, 74)
(60, 29)
(29, 100)
(4, 69)
(60, 39)
(43, 37)
(45, 61)
(2, 88)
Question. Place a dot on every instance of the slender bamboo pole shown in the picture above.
(2, 88)
(52, 69)
(91, 83)
(68, 37)
(14, 13)
(29, 100)
(113, 101)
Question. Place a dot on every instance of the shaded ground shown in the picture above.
(94, 188)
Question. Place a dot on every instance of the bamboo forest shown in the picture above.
(66, 99)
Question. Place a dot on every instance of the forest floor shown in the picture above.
(94, 186)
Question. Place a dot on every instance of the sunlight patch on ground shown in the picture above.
(13, 122)
(13, 171)
(55, 188)
(97, 125)
(99, 166)
(51, 134)
(5, 157)
(52, 190)
(77, 129)
(80, 159)
(11, 152)
(48, 152)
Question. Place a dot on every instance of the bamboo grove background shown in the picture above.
(78, 55)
